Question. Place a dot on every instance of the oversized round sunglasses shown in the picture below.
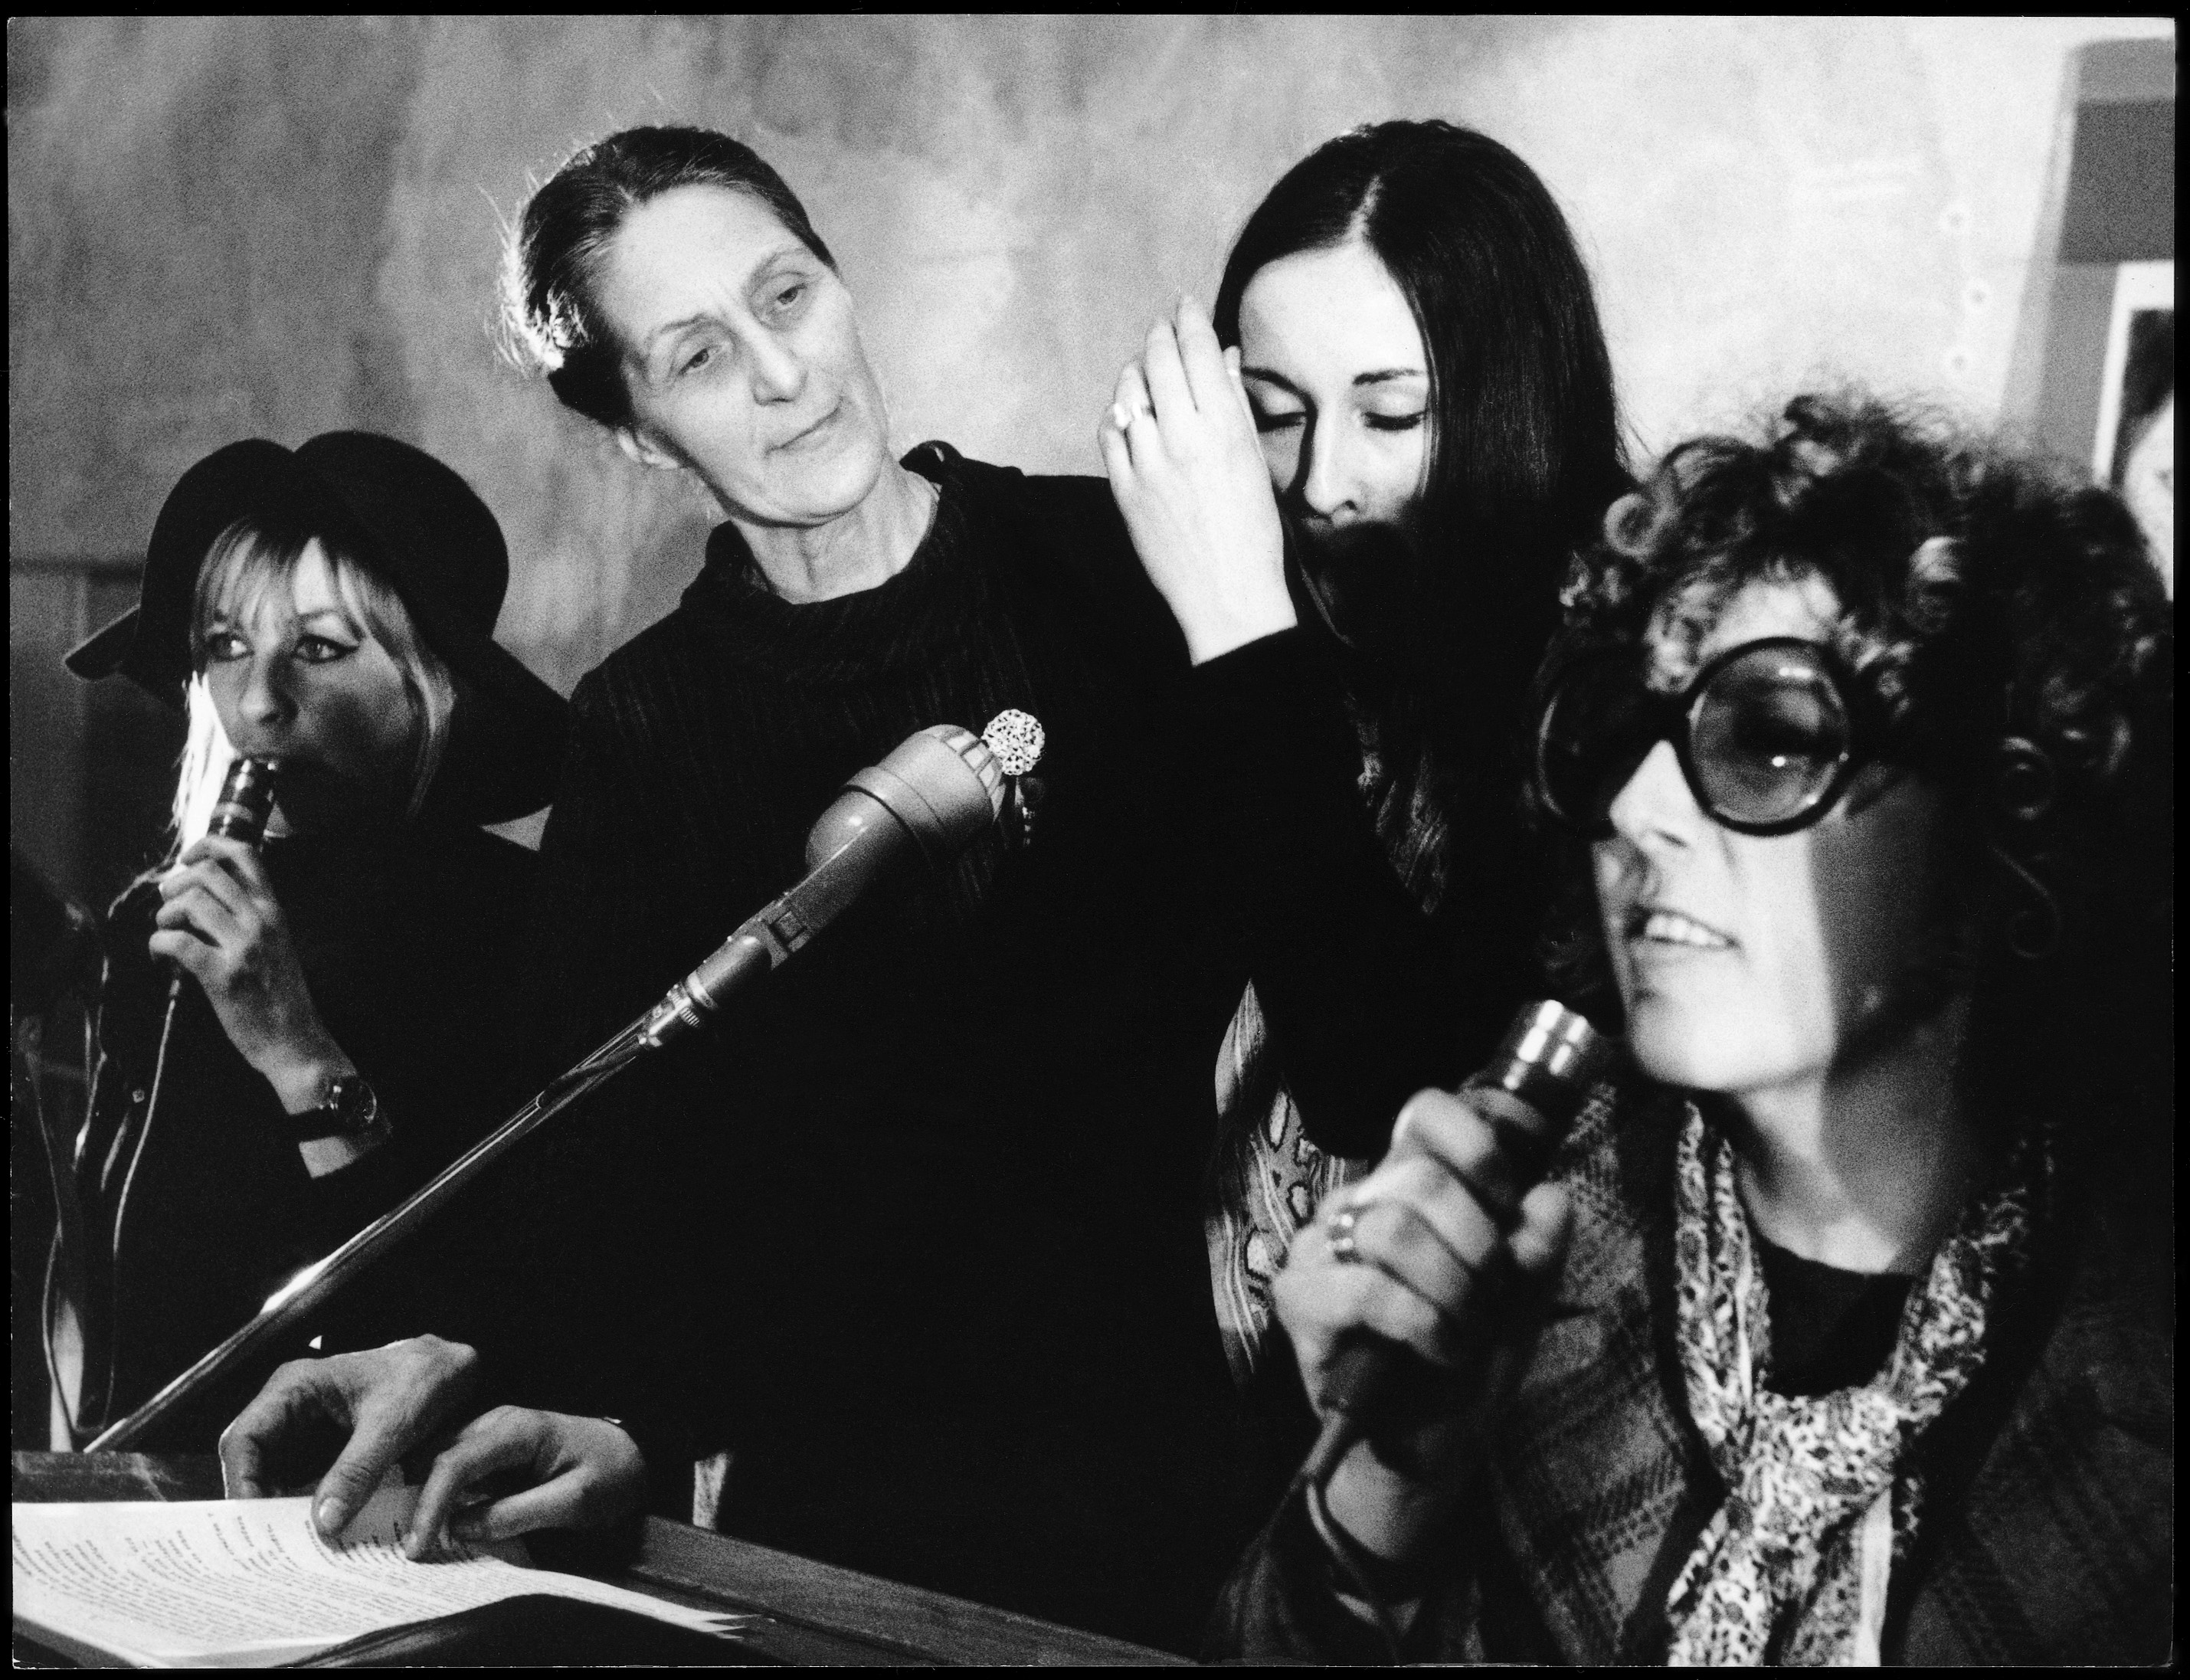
(1767, 735)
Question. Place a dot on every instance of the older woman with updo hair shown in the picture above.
(1842, 1331)
(914, 1234)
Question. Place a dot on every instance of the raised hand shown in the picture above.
(1180, 447)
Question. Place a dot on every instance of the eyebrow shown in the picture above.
(1378, 376)
(1383, 375)
(670, 329)
(649, 345)
(227, 618)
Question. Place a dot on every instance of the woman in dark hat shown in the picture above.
(293, 1036)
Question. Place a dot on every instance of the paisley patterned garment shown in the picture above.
(1791, 1568)
(1266, 1178)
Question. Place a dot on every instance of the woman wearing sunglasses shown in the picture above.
(1842, 1332)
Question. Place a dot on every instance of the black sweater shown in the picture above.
(916, 1233)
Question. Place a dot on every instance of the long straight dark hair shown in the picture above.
(1525, 451)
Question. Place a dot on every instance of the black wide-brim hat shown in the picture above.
(411, 521)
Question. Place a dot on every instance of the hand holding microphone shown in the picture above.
(219, 922)
(1397, 1301)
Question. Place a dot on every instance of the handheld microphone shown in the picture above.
(240, 814)
(247, 800)
(928, 799)
(1547, 1063)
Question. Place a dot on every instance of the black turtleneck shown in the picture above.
(916, 1232)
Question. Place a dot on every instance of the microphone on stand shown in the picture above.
(1547, 1063)
(929, 799)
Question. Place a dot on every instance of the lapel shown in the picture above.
(1601, 1482)
(2049, 1532)
(2049, 1522)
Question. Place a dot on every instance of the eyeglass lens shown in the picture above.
(1766, 736)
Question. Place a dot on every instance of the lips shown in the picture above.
(811, 435)
(1661, 925)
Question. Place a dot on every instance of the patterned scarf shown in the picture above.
(1821, 1496)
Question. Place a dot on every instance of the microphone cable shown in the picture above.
(240, 814)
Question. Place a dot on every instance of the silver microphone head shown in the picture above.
(944, 785)
(1549, 1059)
(246, 801)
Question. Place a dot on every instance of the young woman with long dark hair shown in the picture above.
(1412, 341)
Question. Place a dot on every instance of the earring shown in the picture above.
(2023, 784)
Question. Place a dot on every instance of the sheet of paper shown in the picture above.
(251, 1582)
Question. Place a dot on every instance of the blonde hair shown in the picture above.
(250, 558)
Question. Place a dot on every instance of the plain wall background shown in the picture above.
(226, 227)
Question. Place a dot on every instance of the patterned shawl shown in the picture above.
(1821, 1496)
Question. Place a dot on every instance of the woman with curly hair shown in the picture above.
(1842, 1329)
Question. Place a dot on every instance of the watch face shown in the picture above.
(348, 1107)
(359, 1107)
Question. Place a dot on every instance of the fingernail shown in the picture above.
(332, 1517)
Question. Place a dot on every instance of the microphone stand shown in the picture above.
(311, 1288)
(930, 797)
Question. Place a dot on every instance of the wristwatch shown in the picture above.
(347, 1109)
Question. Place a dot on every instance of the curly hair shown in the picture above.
(2020, 651)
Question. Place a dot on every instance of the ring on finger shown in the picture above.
(1340, 1230)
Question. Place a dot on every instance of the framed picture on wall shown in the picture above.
(2134, 448)
(2137, 378)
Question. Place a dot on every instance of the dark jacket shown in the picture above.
(2047, 1533)
(406, 938)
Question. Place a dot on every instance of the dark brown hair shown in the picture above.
(2020, 651)
(1525, 445)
